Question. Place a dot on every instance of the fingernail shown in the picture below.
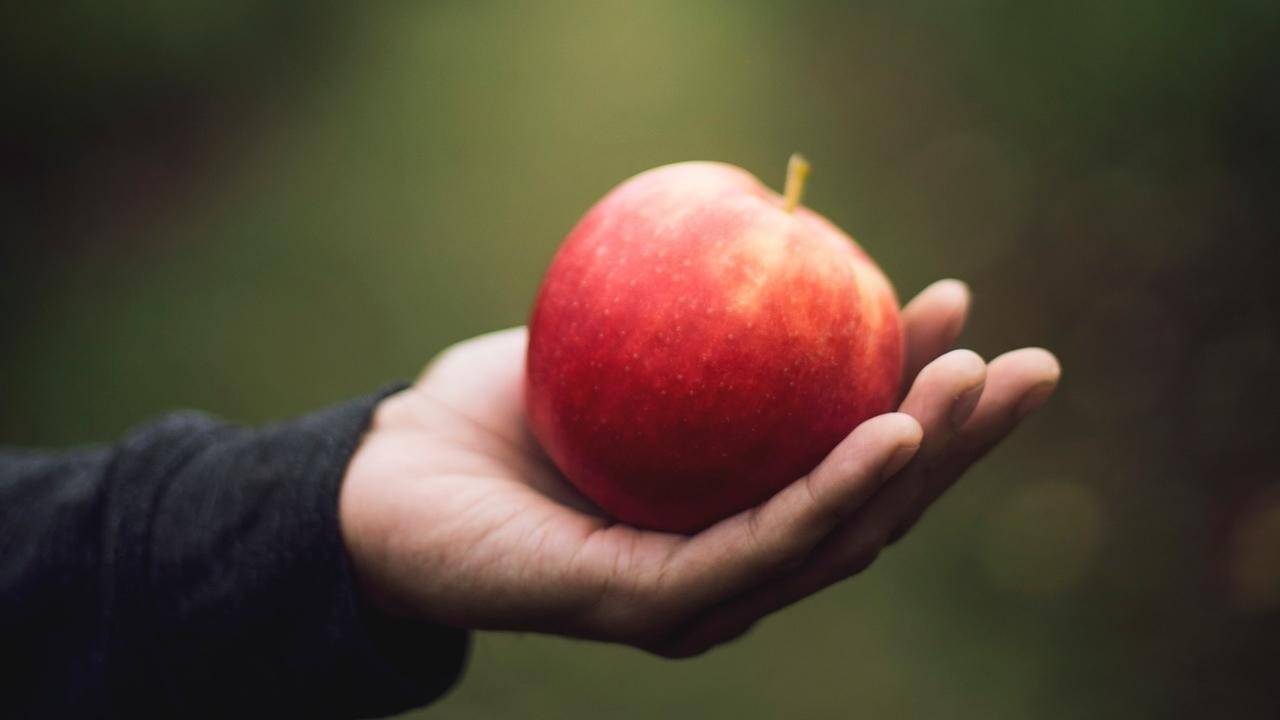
(900, 458)
(1034, 398)
(963, 407)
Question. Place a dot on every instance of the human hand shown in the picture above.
(451, 512)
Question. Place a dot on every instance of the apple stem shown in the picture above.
(797, 173)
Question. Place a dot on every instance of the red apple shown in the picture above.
(699, 342)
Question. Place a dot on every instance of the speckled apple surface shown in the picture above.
(695, 346)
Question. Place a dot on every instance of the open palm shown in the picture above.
(451, 512)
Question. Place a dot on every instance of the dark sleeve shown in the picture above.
(196, 569)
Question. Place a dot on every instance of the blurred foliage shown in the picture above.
(257, 208)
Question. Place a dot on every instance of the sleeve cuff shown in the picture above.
(398, 664)
(237, 591)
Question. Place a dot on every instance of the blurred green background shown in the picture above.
(257, 208)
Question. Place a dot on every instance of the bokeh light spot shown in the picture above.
(1254, 560)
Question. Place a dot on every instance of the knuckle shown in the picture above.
(773, 557)
(630, 625)
(862, 555)
(688, 648)
(753, 528)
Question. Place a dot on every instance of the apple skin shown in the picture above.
(695, 347)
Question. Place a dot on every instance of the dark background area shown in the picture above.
(258, 208)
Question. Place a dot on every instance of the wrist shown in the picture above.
(364, 518)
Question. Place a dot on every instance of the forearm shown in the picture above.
(197, 567)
